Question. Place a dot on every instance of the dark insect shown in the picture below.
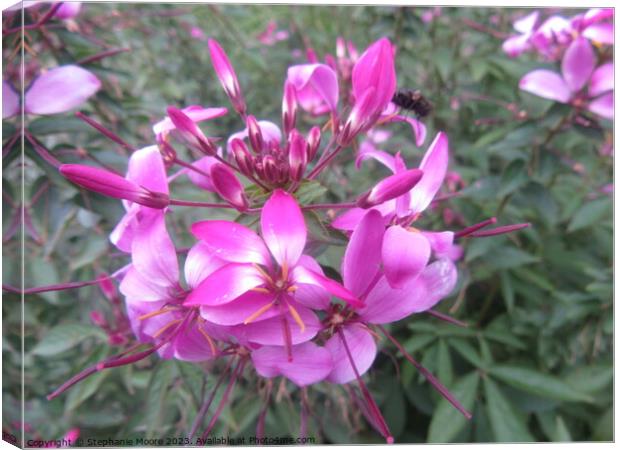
(412, 100)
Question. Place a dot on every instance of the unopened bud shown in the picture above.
(107, 287)
(289, 107)
(97, 318)
(255, 134)
(314, 141)
(270, 167)
(227, 76)
(243, 158)
(297, 157)
(189, 131)
(228, 186)
(113, 185)
(390, 187)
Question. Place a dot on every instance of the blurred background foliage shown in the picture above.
(535, 362)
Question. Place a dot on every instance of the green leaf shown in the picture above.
(467, 351)
(590, 214)
(447, 421)
(85, 389)
(508, 292)
(508, 257)
(561, 431)
(513, 177)
(591, 379)
(155, 405)
(57, 124)
(66, 336)
(309, 191)
(444, 363)
(538, 383)
(507, 423)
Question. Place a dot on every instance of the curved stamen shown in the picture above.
(259, 312)
(296, 316)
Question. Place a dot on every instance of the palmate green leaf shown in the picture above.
(591, 213)
(538, 383)
(447, 421)
(508, 257)
(507, 423)
(66, 336)
(591, 379)
(467, 351)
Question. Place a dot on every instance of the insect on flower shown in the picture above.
(412, 100)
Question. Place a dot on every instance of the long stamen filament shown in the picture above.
(155, 313)
(258, 313)
(296, 316)
(166, 327)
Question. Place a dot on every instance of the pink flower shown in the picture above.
(270, 36)
(68, 10)
(316, 87)
(577, 71)
(515, 45)
(55, 91)
(362, 275)
(154, 296)
(196, 113)
(264, 285)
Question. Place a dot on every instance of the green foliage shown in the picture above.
(534, 362)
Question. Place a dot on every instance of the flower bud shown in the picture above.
(271, 169)
(289, 107)
(97, 318)
(107, 287)
(314, 141)
(297, 157)
(390, 187)
(227, 76)
(113, 185)
(244, 159)
(255, 134)
(228, 186)
(190, 133)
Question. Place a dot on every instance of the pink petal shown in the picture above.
(225, 285)
(602, 80)
(232, 242)
(310, 295)
(526, 24)
(153, 253)
(144, 329)
(440, 241)
(362, 257)
(146, 168)
(137, 286)
(385, 304)
(227, 76)
(310, 363)
(124, 231)
(601, 33)
(283, 228)
(10, 100)
(417, 127)
(515, 45)
(349, 220)
(434, 165)
(228, 186)
(237, 311)
(192, 345)
(546, 84)
(68, 10)
(202, 180)
(201, 262)
(60, 89)
(404, 254)
(270, 331)
(390, 188)
(306, 276)
(195, 112)
(316, 86)
(362, 349)
(368, 150)
(603, 106)
(375, 69)
(578, 64)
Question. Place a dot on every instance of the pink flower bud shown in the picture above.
(390, 187)
(107, 287)
(375, 69)
(314, 141)
(289, 107)
(228, 186)
(227, 76)
(331, 62)
(113, 185)
(271, 169)
(311, 55)
(97, 318)
(190, 132)
(254, 134)
(297, 157)
(244, 159)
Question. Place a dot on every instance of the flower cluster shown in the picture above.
(259, 296)
(586, 80)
